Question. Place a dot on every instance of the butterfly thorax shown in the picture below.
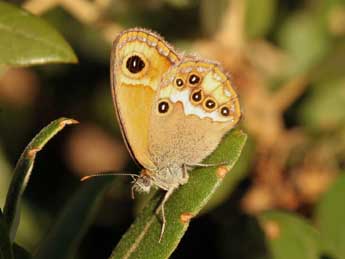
(164, 178)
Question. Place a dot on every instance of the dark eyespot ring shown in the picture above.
(163, 107)
(225, 111)
(197, 96)
(179, 82)
(135, 64)
(194, 79)
(209, 104)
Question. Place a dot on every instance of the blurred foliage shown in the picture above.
(64, 238)
(259, 24)
(330, 211)
(304, 41)
(287, 61)
(27, 40)
(323, 110)
(290, 236)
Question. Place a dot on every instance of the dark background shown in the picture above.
(286, 59)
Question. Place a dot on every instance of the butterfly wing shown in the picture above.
(195, 106)
(139, 58)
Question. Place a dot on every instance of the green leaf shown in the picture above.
(6, 251)
(289, 236)
(30, 229)
(28, 40)
(141, 240)
(89, 40)
(330, 215)
(238, 173)
(72, 224)
(22, 172)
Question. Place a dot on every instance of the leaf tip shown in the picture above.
(74, 59)
(66, 121)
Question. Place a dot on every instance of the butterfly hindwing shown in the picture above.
(195, 106)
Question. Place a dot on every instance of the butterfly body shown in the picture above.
(173, 109)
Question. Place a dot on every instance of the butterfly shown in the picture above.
(173, 109)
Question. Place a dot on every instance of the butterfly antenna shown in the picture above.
(134, 176)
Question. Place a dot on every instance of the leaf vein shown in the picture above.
(139, 238)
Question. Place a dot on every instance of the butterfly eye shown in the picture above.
(135, 64)
(210, 104)
(146, 181)
(197, 96)
(194, 79)
(163, 107)
(179, 82)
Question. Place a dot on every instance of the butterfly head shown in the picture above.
(143, 182)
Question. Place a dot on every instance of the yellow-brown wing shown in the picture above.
(139, 58)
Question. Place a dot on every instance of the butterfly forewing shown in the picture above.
(139, 59)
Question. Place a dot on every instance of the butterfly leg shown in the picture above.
(185, 175)
(161, 208)
(132, 192)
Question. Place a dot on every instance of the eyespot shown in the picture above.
(194, 79)
(210, 104)
(164, 106)
(179, 83)
(225, 111)
(196, 96)
(135, 64)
